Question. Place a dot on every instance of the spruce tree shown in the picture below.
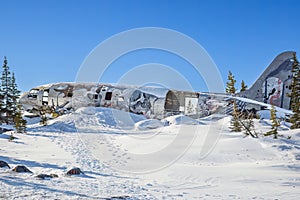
(235, 125)
(243, 86)
(275, 123)
(5, 92)
(248, 126)
(11, 137)
(20, 123)
(15, 94)
(295, 94)
(43, 113)
(9, 95)
(230, 84)
(44, 121)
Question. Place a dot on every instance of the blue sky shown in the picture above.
(47, 41)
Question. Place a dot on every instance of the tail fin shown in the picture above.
(273, 85)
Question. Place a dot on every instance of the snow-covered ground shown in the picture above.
(125, 156)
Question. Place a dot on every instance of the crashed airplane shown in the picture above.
(271, 87)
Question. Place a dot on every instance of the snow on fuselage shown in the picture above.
(71, 96)
(153, 102)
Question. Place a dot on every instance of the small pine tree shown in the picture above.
(243, 86)
(248, 126)
(235, 125)
(230, 84)
(43, 112)
(11, 137)
(295, 94)
(275, 123)
(20, 123)
(43, 120)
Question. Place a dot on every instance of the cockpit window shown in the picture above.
(33, 93)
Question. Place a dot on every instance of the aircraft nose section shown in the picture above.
(23, 98)
(24, 101)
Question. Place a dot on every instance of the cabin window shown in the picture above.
(33, 93)
(45, 97)
(108, 96)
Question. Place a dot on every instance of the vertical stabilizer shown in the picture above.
(273, 85)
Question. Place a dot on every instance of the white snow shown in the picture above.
(127, 156)
(149, 124)
(180, 120)
(281, 112)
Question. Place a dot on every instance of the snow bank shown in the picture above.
(148, 124)
(90, 119)
(107, 117)
(180, 120)
(265, 114)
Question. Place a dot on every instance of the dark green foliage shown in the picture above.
(275, 124)
(20, 123)
(230, 84)
(15, 94)
(243, 86)
(9, 95)
(5, 88)
(295, 94)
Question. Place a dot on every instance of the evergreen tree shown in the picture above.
(43, 112)
(230, 84)
(44, 121)
(9, 94)
(248, 126)
(15, 94)
(243, 86)
(295, 94)
(275, 123)
(6, 102)
(11, 137)
(20, 123)
(235, 125)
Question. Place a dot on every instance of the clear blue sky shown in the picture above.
(46, 41)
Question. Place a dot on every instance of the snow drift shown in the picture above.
(91, 119)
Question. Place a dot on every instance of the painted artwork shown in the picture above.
(191, 105)
(273, 91)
